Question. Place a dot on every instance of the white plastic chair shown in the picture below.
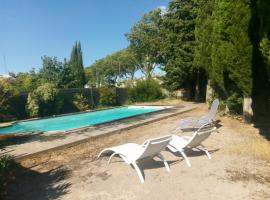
(196, 122)
(132, 153)
(181, 144)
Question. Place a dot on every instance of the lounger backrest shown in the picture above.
(200, 135)
(213, 110)
(154, 146)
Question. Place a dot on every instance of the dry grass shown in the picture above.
(246, 175)
(256, 147)
(251, 142)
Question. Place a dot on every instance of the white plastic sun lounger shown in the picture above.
(181, 144)
(193, 122)
(133, 153)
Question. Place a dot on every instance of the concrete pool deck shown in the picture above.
(31, 145)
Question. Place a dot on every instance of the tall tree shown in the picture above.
(260, 37)
(231, 53)
(76, 66)
(26, 81)
(178, 43)
(145, 40)
(203, 34)
(51, 71)
(113, 68)
(126, 62)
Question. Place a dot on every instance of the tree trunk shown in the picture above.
(247, 109)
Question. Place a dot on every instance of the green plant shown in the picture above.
(145, 91)
(235, 103)
(80, 102)
(7, 92)
(108, 96)
(44, 101)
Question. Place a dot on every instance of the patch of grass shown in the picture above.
(249, 141)
(245, 175)
(255, 146)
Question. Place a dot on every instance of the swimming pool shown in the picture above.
(73, 121)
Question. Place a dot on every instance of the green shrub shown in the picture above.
(107, 96)
(145, 91)
(7, 92)
(80, 102)
(235, 103)
(43, 101)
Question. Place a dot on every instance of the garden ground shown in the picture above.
(239, 169)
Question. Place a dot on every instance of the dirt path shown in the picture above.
(238, 169)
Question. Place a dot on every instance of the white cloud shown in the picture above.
(163, 9)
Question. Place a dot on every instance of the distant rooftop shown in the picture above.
(5, 76)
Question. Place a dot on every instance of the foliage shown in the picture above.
(145, 91)
(235, 103)
(51, 71)
(7, 92)
(81, 102)
(145, 40)
(107, 96)
(265, 50)
(5, 174)
(112, 68)
(76, 66)
(26, 81)
(44, 101)
(232, 49)
(203, 32)
(264, 31)
(178, 44)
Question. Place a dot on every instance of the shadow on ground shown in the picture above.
(264, 127)
(20, 139)
(33, 185)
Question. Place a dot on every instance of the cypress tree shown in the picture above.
(260, 37)
(178, 43)
(76, 66)
(203, 48)
(231, 54)
(203, 33)
(264, 34)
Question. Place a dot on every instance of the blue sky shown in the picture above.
(33, 28)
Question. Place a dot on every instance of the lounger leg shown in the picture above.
(102, 152)
(111, 158)
(164, 161)
(207, 152)
(185, 157)
(138, 172)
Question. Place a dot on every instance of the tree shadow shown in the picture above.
(30, 184)
(264, 127)
(24, 138)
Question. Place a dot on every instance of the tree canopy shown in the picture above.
(145, 40)
(76, 66)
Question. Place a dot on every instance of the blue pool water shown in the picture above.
(78, 120)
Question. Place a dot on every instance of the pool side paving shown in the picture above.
(27, 146)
